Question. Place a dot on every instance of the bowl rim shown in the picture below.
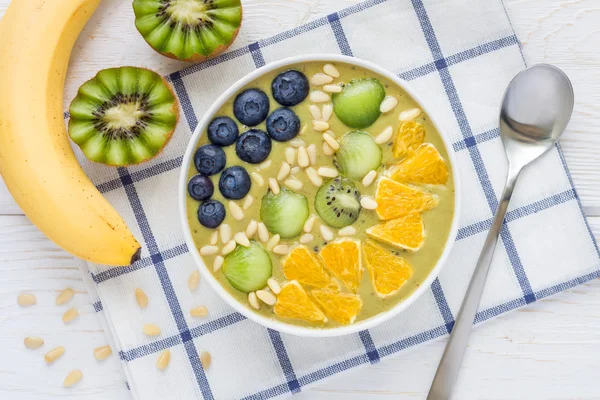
(271, 322)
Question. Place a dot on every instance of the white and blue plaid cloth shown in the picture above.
(459, 55)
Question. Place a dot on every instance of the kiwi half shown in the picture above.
(123, 116)
(338, 202)
(188, 30)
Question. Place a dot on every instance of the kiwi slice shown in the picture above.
(358, 154)
(338, 202)
(248, 268)
(188, 30)
(357, 106)
(123, 116)
(284, 213)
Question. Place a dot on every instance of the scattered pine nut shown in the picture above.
(331, 133)
(331, 141)
(162, 362)
(368, 203)
(320, 79)
(218, 263)
(33, 342)
(151, 330)
(284, 171)
(214, 238)
(309, 223)
(312, 153)
(327, 112)
(330, 70)
(303, 160)
(302, 130)
(73, 377)
(327, 150)
(251, 229)
(293, 184)
(263, 232)
(274, 285)
(194, 280)
(317, 96)
(236, 211)
(281, 250)
(267, 297)
(347, 231)
(274, 241)
(315, 111)
(327, 172)
(320, 126)
(205, 359)
(241, 239)
(102, 353)
(295, 170)
(313, 176)
(297, 142)
(369, 177)
(265, 164)
(409, 115)
(388, 104)
(274, 186)
(26, 299)
(225, 231)
(385, 135)
(199, 311)
(208, 250)
(54, 354)
(326, 233)
(290, 155)
(306, 238)
(228, 248)
(65, 296)
(332, 88)
(253, 300)
(248, 200)
(257, 178)
(141, 298)
(70, 315)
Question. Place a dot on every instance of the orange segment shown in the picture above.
(303, 266)
(410, 135)
(397, 200)
(388, 272)
(425, 165)
(293, 302)
(406, 232)
(342, 259)
(340, 307)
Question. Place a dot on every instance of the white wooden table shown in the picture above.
(550, 349)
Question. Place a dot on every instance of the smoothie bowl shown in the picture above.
(317, 196)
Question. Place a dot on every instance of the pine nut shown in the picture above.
(290, 155)
(297, 142)
(65, 296)
(320, 79)
(284, 171)
(205, 359)
(102, 353)
(281, 250)
(331, 133)
(295, 170)
(70, 315)
(369, 177)
(327, 112)
(302, 130)
(199, 311)
(194, 280)
(253, 300)
(32, 342)
(388, 104)
(310, 222)
(257, 178)
(315, 111)
(327, 150)
(385, 135)
(306, 238)
(218, 263)
(347, 231)
(26, 299)
(267, 297)
(320, 126)
(263, 232)
(228, 248)
(326, 233)
(303, 160)
(327, 172)
(331, 141)
(368, 203)
(312, 153)
(274, 241)
(54, 354)
(248, 200)
(151, 330)
(313, 176)
(409, 114)
(317, 96)
(214, 238)
(236, 211)
(225, 231)
(293, 184)
(251, 229)
(162, 362)
(330, 70)
(208, 250)
(141, 298)
(265, 164)
(274, 285)
(274, 186)
(241, 239)
(73, 377)
(332, 88)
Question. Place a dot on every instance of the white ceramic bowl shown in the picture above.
(273, 323)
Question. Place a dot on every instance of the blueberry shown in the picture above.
(253, 146)
(209, 159)
(251, 107)
(200, 187)
(222, 131)
(290, 88)
(234, 183)
(211, 213)
(283, 124)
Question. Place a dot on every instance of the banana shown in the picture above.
(36, 159)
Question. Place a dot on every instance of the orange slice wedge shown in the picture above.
(425, 165)
(406, 232)
(395, 199)
(293, 302)
(342, 259)
(388, 272)
(340, 307)
(305, 267)
(410, 135)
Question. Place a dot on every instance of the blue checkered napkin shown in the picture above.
(460, 55)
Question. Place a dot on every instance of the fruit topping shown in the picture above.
(293, 302)
(304, 266)
(388, 272)
(211, 213)
(234, 183)
(223, 131)
(251, 107)
(340, 307)
(358, 104)
(248, 268)
(426, 165)
(253, 146)
(290, 88)
(407, 233)
(358, 154)
(283, 124)
(342, 258)
(410, 135)
(209, 159)
(200, 187)
(338, 202)
(284, 213)
(395, 199)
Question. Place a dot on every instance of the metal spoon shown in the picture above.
(536, 108)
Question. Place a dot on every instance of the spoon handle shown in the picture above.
(447, 371)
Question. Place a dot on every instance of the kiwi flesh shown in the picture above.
(188, 30)
(358, 154)
(248, 268)
(123, 116)
(284, 213)
(338, 202)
